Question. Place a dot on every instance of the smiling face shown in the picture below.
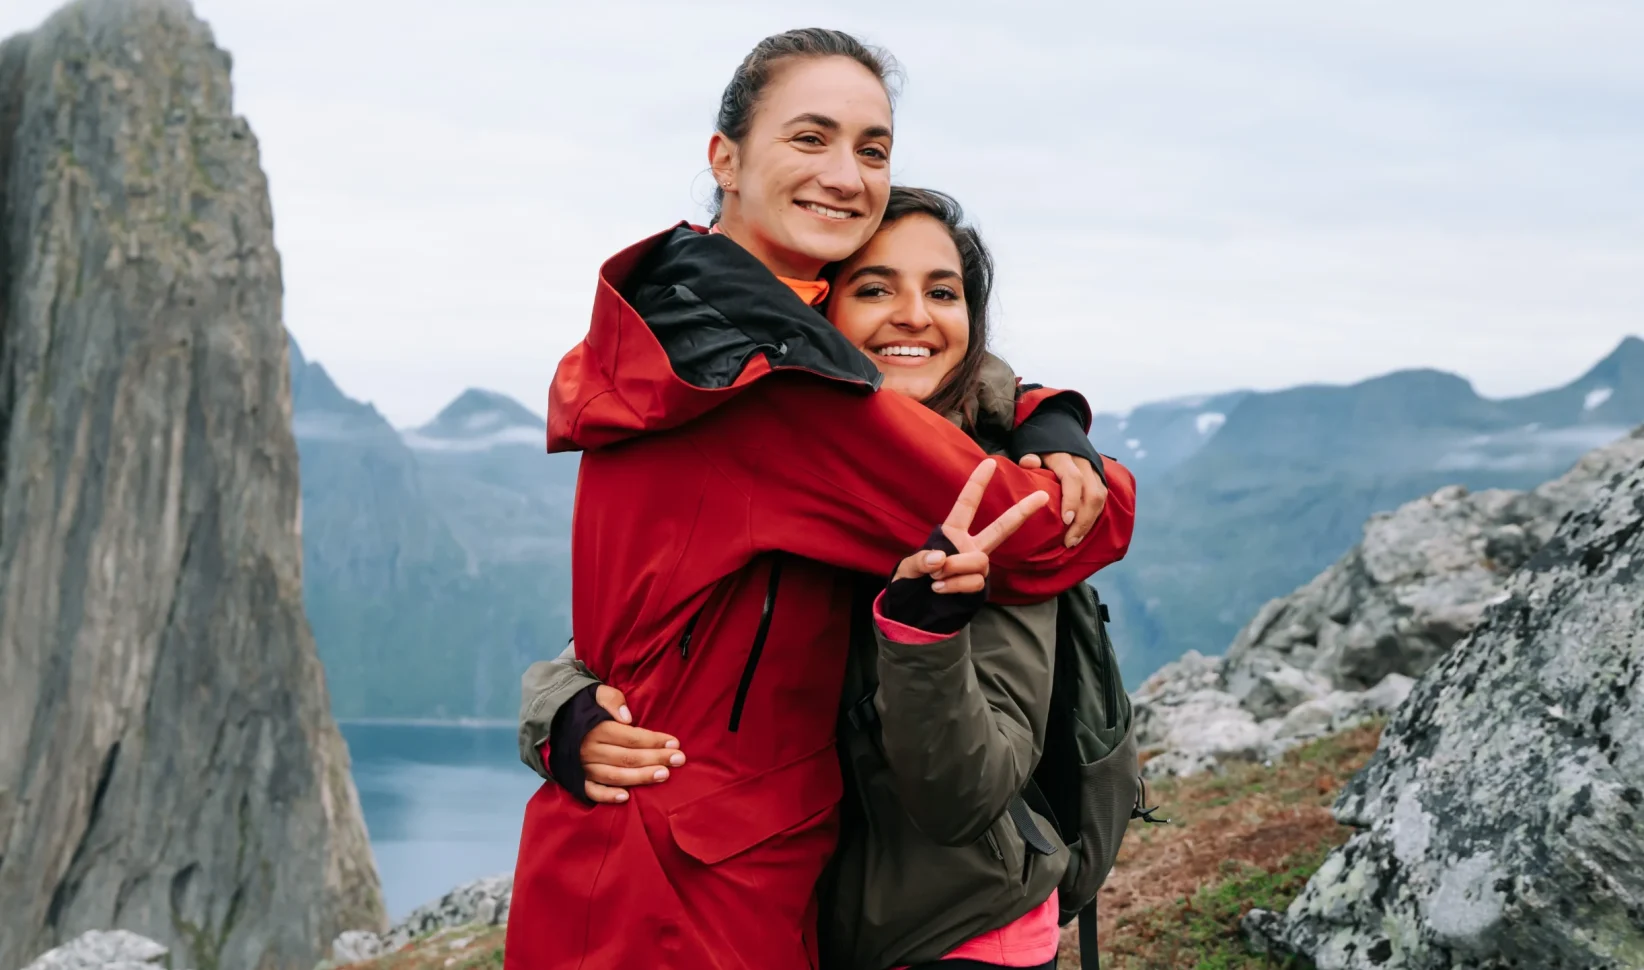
(807, 185)
(901, 299)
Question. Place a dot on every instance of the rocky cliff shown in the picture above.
(1348, 644)
(1501, 822)
(168, 762)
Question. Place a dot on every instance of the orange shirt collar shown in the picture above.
(811, 291)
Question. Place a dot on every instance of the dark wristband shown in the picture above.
(572, 722)
(1056, 427)
(912, 602)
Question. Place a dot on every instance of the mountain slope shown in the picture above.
(437, 560)
(1282, 488)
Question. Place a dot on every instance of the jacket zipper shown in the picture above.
(993, 844)
(685, 638)
(758, 643)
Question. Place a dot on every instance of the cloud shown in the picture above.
(1182, 196)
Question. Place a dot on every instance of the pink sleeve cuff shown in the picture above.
(901, 632)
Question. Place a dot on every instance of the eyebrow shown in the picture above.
(823, 121)
(880, 270)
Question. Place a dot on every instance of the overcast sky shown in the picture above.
(1182, 197)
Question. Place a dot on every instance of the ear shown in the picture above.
(722, 159)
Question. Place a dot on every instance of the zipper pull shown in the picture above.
(993, 844)
(685, 638)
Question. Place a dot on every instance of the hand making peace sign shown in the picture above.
(966, 571)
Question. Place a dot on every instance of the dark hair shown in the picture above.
(958, 391)
(741, 97)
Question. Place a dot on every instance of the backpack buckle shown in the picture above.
(863, 715)
(1142, 812)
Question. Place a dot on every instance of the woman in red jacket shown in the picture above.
(738, 462)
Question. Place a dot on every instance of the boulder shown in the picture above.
(483, 902)
(103, 950)
(1501, 822)
(1419, 581)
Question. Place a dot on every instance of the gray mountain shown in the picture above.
(168, 760)
(484, 462)
(1159, 436)
(1280, 489)
(438, 559)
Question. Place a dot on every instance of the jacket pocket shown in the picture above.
(731, 820)
(1107, 794)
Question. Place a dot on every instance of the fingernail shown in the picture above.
(670, 743)
(938, 585)
(932, 558)
(1067, 517)
(622, 712)
(676, 760)
(661, 774)
(621, 796)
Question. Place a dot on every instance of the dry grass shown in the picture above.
(1249, 837)
(460, 948)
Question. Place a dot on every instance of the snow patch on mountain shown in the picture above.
(502, 437)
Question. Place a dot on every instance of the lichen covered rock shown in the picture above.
(1501, 822)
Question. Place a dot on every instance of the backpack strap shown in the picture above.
(1028, 829)
(1090, 956)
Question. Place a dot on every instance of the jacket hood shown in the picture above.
(683, 322)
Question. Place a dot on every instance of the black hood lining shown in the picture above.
(712, 306)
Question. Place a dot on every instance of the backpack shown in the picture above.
(1087, 783)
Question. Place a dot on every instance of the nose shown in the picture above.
(842, 175)
(913, 313)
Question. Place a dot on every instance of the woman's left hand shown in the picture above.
(1083, 494)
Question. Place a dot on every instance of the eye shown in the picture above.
(871, 290)
(945, 293)
(809, 139)
(876, 153)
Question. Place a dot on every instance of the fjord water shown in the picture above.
(443, 804)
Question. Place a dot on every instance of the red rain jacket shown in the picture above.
(738, 464)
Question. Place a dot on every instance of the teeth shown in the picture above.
(825, 211)
(903, 351)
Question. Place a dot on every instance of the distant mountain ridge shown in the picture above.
(478, 420)
(436, 558)
(1283, 484)
(1316, 419)
(449, 542)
